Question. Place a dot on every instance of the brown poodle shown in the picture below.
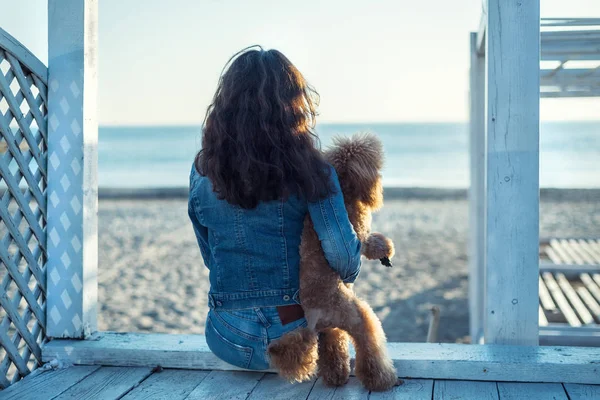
(332, 309)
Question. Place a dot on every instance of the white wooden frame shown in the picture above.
(510, 238)
(72, 179)
(557, 44)
(504, 193)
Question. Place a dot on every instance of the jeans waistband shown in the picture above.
(259, 298)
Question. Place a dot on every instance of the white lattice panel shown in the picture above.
(23, 211)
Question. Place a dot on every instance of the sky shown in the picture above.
(371, 61)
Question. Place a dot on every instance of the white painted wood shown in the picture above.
(50, 383)
(543, 321)
(14, 47)
(570, 94)
(320, 391)
(172, 384)
(583, 252)
(582, 312)
(569, 336)
(352, 390)
(570, 270)
(273, 387)
(545, 297)
(419, 360)
(592, 247)
(465, 390)
(106, 383)
(531, 391)
(476, 190)
(561, 300)
(480, 34)
(512, 171)
(570, 21)
(590, 302)
(554, 256)
(411, 389)
(591, 285)
(582, 392)
(233, 385)
(561, 251)
(72, 164)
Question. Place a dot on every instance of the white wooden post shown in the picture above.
(476, 192)
(72, 164)
(512, 174)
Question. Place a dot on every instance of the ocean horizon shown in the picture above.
(418, 155)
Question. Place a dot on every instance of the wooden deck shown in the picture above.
(129, 383)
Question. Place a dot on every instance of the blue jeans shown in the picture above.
(241, 337)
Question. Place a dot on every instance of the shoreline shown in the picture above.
(390, 193)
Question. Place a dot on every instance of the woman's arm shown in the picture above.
(338, 238)
(200, 230)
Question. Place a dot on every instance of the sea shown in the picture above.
(420, 155)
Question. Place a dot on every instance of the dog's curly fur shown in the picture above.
(332, 310)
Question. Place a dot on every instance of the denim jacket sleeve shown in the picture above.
(200, 230)
(338, 238)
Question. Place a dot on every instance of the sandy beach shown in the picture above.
(152, 278)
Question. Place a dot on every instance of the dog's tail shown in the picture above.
(294, 355)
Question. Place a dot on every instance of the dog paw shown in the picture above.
(377, 375)
(378, 247)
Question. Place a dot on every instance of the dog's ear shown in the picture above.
(358, 161)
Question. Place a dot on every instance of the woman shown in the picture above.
(258, 175)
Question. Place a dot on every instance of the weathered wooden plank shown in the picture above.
(570, 270)
(172, 384)
(273, 387)
(545, 297)
(72, 190)
(582, 392)
(465, 390)
(13, 46)
(590, 302)
(107, 383)
(565, 335)
(569, 249)
(232, 385)
(543, 321)
(561, 300)
(476, 190)
(531, 391)
(554, 257)
(420, 360)
(320, 391)
(411, 389)
(581, 251)
(558, 248)
(591, 285)
(352, 390)
(578, 305)
(50, 383)
(512, 171)
(592, 247)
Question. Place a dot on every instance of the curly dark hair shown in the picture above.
(258, 139)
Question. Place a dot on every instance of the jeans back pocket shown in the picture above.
(225, 349)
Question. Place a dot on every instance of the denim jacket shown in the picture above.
(253, 255)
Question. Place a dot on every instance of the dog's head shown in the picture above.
(358, 161)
